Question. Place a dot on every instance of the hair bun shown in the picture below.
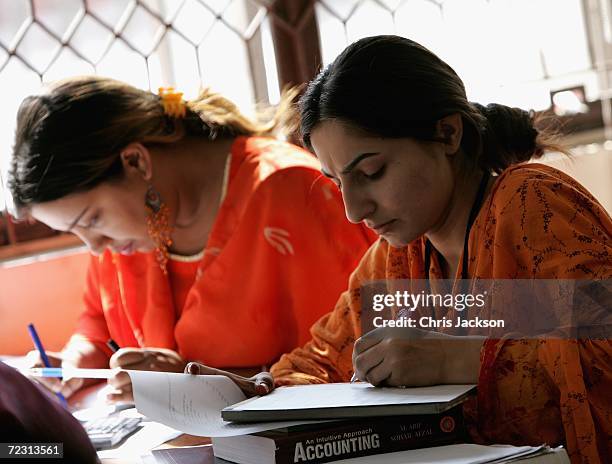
(508, 131)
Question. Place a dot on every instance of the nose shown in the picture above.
(95, 242)
(357, 204)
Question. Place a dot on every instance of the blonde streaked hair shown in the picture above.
(69, 138)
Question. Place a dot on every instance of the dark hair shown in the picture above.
(69, 139)
(391, 86)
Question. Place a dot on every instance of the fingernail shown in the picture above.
(193, 368)
(262, 389)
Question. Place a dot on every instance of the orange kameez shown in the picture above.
(536, 223)
(278, 256)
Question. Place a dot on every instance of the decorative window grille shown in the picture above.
(507, 51)
(223, 44)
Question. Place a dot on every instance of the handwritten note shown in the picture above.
(193, 403)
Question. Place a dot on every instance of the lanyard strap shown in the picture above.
(473, 213)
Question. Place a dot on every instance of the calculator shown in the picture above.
(106, 432)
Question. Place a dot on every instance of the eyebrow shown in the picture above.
(351, 165)
(78, 218)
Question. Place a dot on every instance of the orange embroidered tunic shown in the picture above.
(536, 223)
(279, 254)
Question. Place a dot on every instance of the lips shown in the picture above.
(383, 227)
(127, 249)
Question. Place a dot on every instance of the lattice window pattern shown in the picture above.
(224, 44)
(508, 51)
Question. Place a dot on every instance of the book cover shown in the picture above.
(331, 441)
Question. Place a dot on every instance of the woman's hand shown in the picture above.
(390, 356)
(57, 385)
(259, 384)
(140, 359)
(78, 352)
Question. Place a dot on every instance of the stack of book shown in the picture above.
(347, 423)
(449, 454)
(330, 441)
(352, 420)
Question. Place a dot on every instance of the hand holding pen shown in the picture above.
(44, 358)
(78, 353)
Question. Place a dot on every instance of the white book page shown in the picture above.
(337, 395)
(451, 454)
(192, 403)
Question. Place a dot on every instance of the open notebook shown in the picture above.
(194, 403)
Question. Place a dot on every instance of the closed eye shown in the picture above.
(94, 221)
(332, 178)
(377, 174)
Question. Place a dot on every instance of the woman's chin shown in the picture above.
(398, 238)
(394, 240)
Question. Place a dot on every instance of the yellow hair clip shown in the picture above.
(172, 101)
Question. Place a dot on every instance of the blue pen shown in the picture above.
(43, 355)
(47, 372)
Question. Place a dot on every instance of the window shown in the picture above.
(148, 43)
(506, 51)
(514, 52)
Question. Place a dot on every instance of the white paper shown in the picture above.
(339, 395)
(193, 403)
(451, 454)
(91, 402)
(148, 459)
(150, 436)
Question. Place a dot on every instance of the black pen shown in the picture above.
(114, 347)
(112, 344)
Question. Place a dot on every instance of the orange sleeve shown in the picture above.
(325, 247)
(327, 357)
(92, 325)
(547, 388)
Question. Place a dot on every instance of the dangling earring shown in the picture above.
(158, 225)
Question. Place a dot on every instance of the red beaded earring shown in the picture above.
(158, 226)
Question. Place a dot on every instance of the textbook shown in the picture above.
(449, 454)
(330, 441)
(345, 401)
